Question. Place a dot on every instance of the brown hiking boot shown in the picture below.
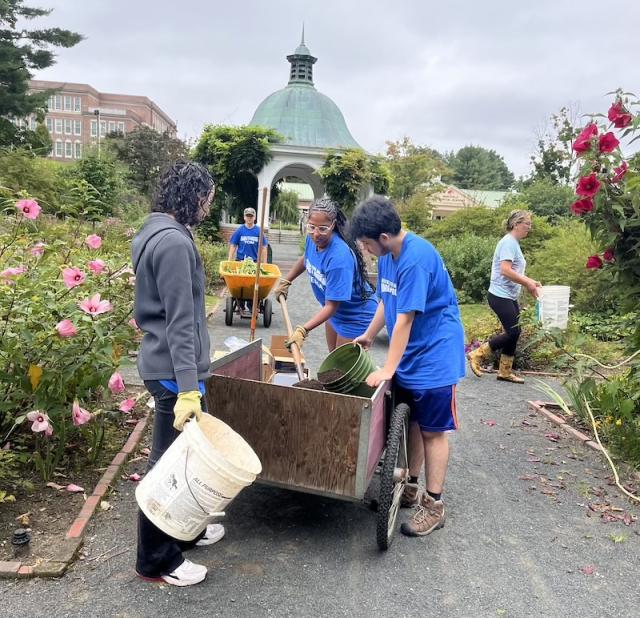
(410, 495)
(428, 516)
(505, 373)
(478, 356)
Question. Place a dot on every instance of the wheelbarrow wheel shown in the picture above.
(267, 313)
(228, 311)
(393, 477)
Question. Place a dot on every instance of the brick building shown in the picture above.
(79, 116)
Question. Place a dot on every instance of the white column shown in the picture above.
(267, 204)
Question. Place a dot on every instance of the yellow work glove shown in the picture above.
(282, 288)
(188, 404)
(298, 337)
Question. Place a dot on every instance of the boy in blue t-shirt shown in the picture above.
(244, 244)
(426, 351)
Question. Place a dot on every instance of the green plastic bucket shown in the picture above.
(354, 361)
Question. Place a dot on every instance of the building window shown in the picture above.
(77, 127)
(94, 128)
(112, 126)
(58, 102)
(78, 146)
(58, 148)
(51, 103)
(103, 128)
(68, 104)
(68, 150)
(121, 127)
(77, 104)
(58, 125)
(68, 127)
(49, 122)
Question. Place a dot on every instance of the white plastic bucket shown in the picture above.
(202, 471)
(553, 306)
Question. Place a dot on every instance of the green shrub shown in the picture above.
(212, 253)
(560, 261)
(468, 260)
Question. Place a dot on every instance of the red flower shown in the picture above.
(583, 141)
(608, 255)
(619, 115)
(620, 172)
(608, 142)
(594, 262)
(588, 186)
(582, 206)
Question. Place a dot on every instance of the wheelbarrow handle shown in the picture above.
(295, 351)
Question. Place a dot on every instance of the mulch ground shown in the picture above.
(48, 511)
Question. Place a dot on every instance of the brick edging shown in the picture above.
(540, 408)
(74, 537)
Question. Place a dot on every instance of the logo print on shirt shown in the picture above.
(388, 287)
(251, 240)
(318, 278)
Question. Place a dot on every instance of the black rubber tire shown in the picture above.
(267, 313)
(395, 456)
(228, 311)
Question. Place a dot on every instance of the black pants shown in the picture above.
(508, 313)
(158, 553)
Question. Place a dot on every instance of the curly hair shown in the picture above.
(180, 191)
(332, 210)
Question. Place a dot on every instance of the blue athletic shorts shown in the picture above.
(434, 409)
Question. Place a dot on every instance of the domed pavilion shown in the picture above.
(310, 124)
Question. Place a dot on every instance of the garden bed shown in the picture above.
(47, 510)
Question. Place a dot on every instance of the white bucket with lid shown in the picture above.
(202, 471)
(553, 306)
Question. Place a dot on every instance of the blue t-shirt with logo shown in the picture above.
(507, 249)
(418, 281)
(332, 274)
(247, 240)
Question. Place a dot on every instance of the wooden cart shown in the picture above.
(313, 441)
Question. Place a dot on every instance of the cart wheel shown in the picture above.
(395, 470)
(267, 312)
(228, 311)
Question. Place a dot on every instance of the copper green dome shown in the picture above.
(301, 114)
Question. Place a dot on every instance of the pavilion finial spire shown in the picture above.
(301, 64)
(302, 41)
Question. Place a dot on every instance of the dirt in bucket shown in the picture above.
(327, 377)
(313, 385)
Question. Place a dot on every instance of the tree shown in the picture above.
(474, 167)
(234, 156)
(347, 173)
(285, 207)
(22, 52)
(543, 197)
(411, 167)
(553, 160)
(146, 153)
(415, 211)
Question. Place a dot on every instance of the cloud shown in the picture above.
(445, 74)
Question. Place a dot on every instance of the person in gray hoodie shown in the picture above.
(174, 356)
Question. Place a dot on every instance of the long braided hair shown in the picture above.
(331, 209)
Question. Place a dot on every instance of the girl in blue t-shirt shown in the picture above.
(337, 275)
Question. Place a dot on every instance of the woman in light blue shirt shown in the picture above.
(507, 279)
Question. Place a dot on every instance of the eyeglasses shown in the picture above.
(323, 230)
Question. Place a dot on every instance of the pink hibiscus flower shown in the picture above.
(127, 405)
(66, 328)
(79, 415)
(73, 277)
(95, 306)
(40, 421)
(93, 241)
(116, 383)
(30, 209)
(38, 249)
(96, 266)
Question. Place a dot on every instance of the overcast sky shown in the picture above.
(446, 74)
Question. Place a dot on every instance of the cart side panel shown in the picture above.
(377, 429)
(305, 439)
(243, 363)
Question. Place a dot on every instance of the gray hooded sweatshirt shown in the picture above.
(169, 303)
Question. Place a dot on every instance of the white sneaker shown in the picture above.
(186, 574)
(212, 534)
